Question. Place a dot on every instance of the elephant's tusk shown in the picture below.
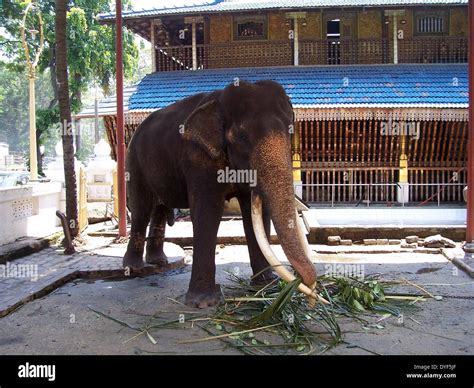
(302, 237)
(267, 251)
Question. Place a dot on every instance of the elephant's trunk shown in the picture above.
(259, 229)
(275, 187)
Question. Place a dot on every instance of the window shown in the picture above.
(431, 24)
(250, 27)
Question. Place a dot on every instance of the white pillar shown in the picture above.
(296, 48)
(33, 155)
(152, 40)
(395, 39)
(193, 29)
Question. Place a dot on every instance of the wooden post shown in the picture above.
(395, 39)
(33, 146)
(469, 247)
(296, 47)
(193, 21)
(153, 49)
(403, 188)
(296, 159)
(32, 63)
(193, 30)
(395, 14)
(122, 199)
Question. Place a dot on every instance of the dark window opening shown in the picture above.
(333, 35)
(250, 28)
(333, 29)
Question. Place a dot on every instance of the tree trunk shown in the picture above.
(65, 117)
(77, 97)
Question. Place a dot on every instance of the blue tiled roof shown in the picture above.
(249, 5)
(357, 86)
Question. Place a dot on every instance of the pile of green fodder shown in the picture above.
(278, 319)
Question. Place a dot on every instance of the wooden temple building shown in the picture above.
(379, 87)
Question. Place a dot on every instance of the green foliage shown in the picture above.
(359, 295)
(91, 61)
(14, 106)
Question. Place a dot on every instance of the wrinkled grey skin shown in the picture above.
(174, 159)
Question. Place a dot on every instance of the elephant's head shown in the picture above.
(250, 126)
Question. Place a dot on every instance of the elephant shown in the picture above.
(176, 159)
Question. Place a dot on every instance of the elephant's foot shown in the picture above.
(204, 299)
(159, 259)
(134, 262)
(263, 278)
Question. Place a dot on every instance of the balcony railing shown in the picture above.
(313, 52)
(343, 51)
(433, 50)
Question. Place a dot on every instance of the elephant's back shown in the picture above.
(155, 149)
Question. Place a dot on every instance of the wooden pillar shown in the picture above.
(469, 247)
(193, 32)
(395, 14)
(153, 49)
(296, 159)
(296, 48)
(193, 21)
(403, 189)
(395, 39)
(122, 196)
(33, 146)
(296, 152)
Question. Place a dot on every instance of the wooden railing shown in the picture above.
(313, 52)
(343, 51)
(433, 50)
(228, 55)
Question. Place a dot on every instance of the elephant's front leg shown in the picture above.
(260, 267)
(156, 237)
(206, 213)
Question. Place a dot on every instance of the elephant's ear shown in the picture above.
(204, 128)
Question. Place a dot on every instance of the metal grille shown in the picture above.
(431, 25)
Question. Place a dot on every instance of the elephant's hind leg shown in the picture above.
(140, 205)
(156, 236)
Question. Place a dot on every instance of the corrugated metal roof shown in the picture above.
(356, 86)
(246, 5)
(107, 106)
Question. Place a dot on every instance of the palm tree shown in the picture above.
(65, 116)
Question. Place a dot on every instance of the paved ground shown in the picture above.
(63, 322)
(36, 275)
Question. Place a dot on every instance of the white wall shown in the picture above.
(29, 211)
(386, 216)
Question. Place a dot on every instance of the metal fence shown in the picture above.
(361, 193)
